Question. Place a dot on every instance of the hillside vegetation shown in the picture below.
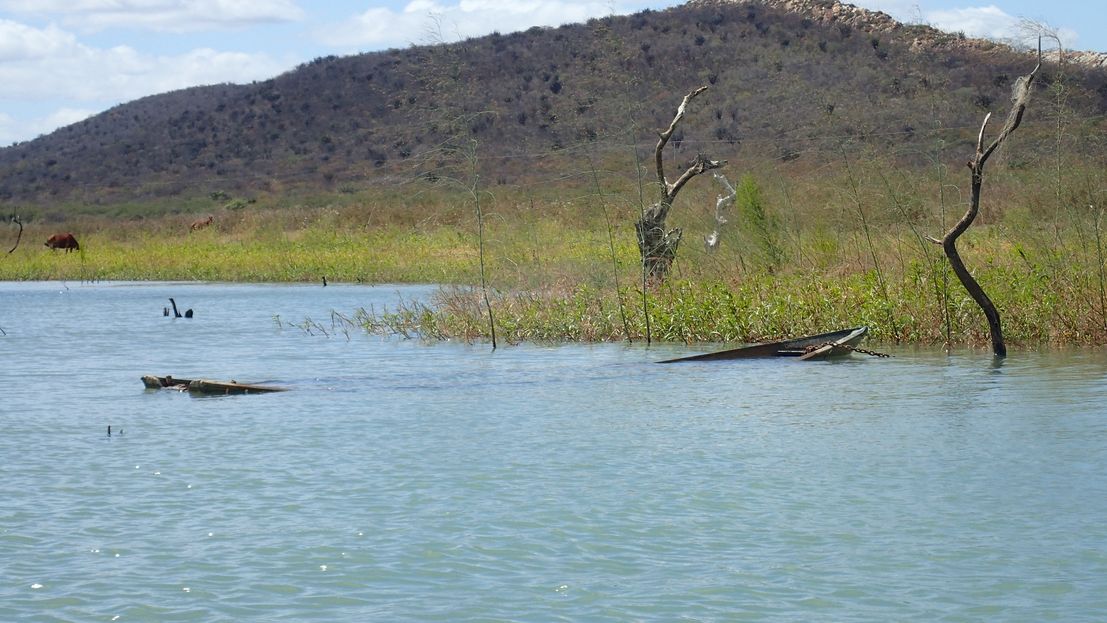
(791, 81)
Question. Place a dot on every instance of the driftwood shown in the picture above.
(976, 166)
(657, 244)
(208, 387)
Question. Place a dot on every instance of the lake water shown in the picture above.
(401, 481)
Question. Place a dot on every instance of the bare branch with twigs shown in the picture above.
(657, 244)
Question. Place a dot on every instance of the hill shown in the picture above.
(790, 79)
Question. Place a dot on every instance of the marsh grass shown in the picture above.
(762, 307)
(832, 247)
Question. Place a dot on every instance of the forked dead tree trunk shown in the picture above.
(976, 165)
(657, 244)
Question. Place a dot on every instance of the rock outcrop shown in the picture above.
(920, 36)
(1088, 59)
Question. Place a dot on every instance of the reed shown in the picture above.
(562, 260)
(759, 308)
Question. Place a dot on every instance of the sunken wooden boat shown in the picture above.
(207, 387)
(822, 346)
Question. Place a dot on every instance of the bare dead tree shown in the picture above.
(19, 236)
(1019, 97)
(1028, 30)
(657, 244)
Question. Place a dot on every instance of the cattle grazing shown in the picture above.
(63, 241)
(200, 223)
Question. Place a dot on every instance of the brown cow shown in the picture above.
(201, 223)
(63, 241)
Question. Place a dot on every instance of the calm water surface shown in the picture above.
(400, 481)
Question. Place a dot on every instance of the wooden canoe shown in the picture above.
(208, 387)
(822, 346)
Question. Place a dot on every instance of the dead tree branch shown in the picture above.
(949, 242)
(657, 244)
(19, 236)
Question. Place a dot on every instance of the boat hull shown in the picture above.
(207, 387)
(821, 346)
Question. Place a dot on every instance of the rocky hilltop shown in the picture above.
(920, 35)
(824, 11)
(1088, 59)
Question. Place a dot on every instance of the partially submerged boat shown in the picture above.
(822, 346)
(207, 387)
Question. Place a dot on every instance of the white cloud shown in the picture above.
(989, 22)
(51, 65)
(420, 21)
(67, 116)
(159, 15)
(13, 130)
(19, 42)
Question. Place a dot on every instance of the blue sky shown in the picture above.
(64, 60)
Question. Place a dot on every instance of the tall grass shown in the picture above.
(760, 228)
(835, 246)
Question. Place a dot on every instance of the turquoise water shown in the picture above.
(401, 481)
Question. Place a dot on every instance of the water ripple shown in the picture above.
(406, 482)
